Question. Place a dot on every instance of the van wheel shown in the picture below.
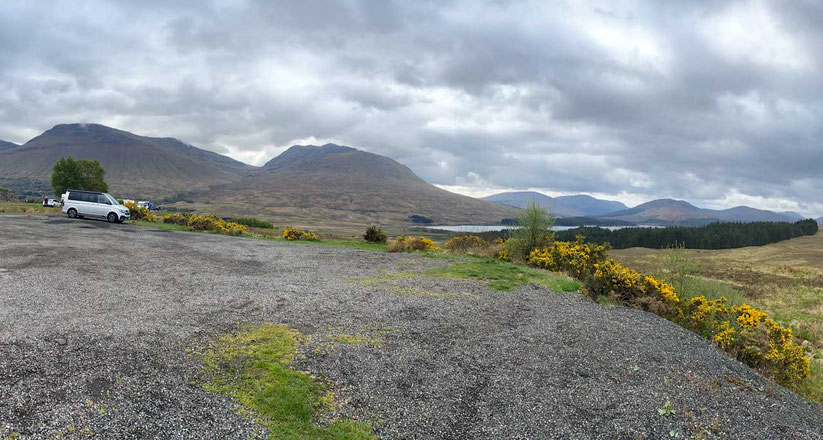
(112, 217)
(72, 213)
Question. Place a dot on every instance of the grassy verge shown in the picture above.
(503, 276)
(255, 368)
(28, 208)
(783, 279)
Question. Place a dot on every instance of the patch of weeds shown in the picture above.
(373, 337)
(667, 409)
(503, 276)
(254, 366)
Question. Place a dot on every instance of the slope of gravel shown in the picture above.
(95, 320)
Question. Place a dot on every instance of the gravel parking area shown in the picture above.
(95, 320)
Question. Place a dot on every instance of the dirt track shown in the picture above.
(95, 319)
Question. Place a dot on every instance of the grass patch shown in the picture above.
(160, 225)
(503, 276)
(254, 367)
(265, 234)
(28, 208)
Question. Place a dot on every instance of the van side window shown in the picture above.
(74, 196)
(102, 199)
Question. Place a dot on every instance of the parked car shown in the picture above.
(51, 203)
(77, 203)
(148, 205)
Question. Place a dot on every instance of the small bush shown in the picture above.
(139, 212)
(210, 223)
(293, 234)
(253, 222)
(177, 219)
(375, 235)
(408, 244)
(533, 232)
(465, 244)
(578, 257)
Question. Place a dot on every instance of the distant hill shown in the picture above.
(4, 145)
(136, 166)
(343, 185)
(668, 211)
(820, 220)
(564, 206)
(792, 215)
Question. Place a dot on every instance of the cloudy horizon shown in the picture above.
(717, 104)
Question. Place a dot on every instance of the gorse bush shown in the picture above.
(578, 257)
(177, 219)
(375, 235)
(408, 244)
(253, 222)
(748, 334)
(213, 223)
(207, 223)
(139, 212)
(293, 234)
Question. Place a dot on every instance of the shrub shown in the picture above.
(293, 234)
(139, 212)
(745, 332)
(234, 229)
(578, 257)
(210, 223)
(177, 219)
(253, 222)
(408, 244)
(466, 244)
(533, 232)
(374, 235)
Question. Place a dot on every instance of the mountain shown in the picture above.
(334, 184)
(793, 215)
(590, 206)
(136, 166)
(565, 206)
(4, 145)
(667, 211)
(820, 220)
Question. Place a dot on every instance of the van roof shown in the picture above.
(83, 191)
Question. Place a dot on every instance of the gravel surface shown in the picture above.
(95, 320)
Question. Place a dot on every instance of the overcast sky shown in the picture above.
(719, 103)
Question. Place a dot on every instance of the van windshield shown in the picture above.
(111, 199)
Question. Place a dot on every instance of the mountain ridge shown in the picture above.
(580, 205)
(5, 145)
(348, 185)
(135, 165)
(679, 211)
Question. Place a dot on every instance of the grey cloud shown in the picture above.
(651, 98)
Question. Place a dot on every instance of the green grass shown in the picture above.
(160, 226)
(378, 247)
(503, 276)
(255, 368)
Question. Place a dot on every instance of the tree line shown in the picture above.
(712, 236)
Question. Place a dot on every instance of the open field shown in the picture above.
(784, 279)
(99, 322)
